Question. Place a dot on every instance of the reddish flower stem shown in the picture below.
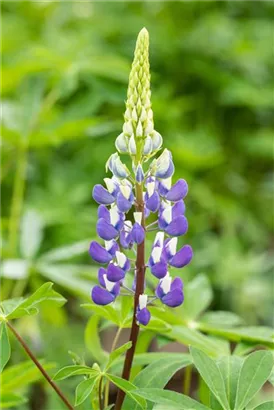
(140, 280)
(40, 367)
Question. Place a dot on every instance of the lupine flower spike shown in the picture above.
(146, 187)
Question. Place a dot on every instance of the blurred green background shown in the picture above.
(65, 69)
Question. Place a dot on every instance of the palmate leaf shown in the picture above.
(29, 306)
(254, 373)
(157, 374)
(166, 397)
(211, 374)
(116, 353)
(267, 405)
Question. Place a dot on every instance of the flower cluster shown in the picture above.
(146, 189)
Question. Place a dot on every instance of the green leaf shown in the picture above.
(29, 306)
(157, 325)
(84, 389)
(66, 252)
(167, 397)
(107, 312)
(198, 296)
(74, 370)
(143, 359)
(31, 234)
(267, 405)
(157, 374)
(4, 345)
(221, 318)
(92, 340)
(230, 367)
(8, 400)
(116, 353)
(211, 374)
(243, 348)
(69, 276)
(127, 387)
(254, 373)
(195, 338)
(22, 374)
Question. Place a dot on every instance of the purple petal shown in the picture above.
(125, 239)
(178, 209)
(114, 248)
(153, 203)
(177, 283)
(168, 173)
(159, 269)
(105, 230)
(173, 298)
(103, 212)
(177, 191)
(161, 222)
(120, 223)
(101, 195)
(162, 189)
(143, 316)
(147, 212)
(98, 253)
(101, 273)
(115, 273)
(101, 296)
(182, 257)
(178, 226)
(159, 291)
(123, 204)
(116, 289)
(138, 233)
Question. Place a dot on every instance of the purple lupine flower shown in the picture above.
(110, 222)
(143, 314)
(103, 255)
(170, 292)
(119, 227)
(107, 292)
(138, 232)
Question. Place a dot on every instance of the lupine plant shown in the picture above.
(138, 290)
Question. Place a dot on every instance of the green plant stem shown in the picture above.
(17, 199)
(40, 367)
(115, 340)
(187, 380)
(100, 394)
(140, 279)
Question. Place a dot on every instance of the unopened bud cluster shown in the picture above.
(138, 129)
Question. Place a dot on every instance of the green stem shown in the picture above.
(114, 344)
(17, 199)
(187, 380)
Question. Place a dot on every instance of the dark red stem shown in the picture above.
(40, 367)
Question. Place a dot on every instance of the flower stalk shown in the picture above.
(148, 189)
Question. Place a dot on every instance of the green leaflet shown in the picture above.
(84, 389)
(211, 374)
(4, 346)
(166, 397)
(157, 374)
(254, 373)
(74, 370)
(29, 306)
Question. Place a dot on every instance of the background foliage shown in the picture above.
(65, 69)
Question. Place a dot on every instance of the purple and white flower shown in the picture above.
(143, 314)
(170, 292)
(107, 292)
